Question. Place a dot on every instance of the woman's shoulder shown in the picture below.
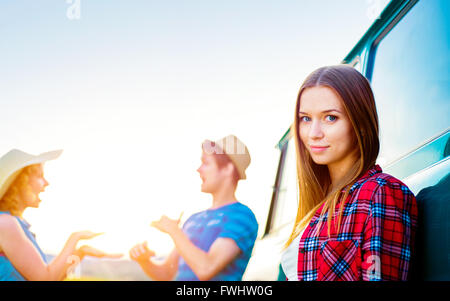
(8, 222)
(381, 181)
(383, 189)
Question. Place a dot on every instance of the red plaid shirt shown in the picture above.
(374, 242)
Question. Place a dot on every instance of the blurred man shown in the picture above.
(214, 244)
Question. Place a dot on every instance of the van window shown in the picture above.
(286, 206)
(411, 80)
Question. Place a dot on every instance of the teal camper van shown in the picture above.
(406, 56)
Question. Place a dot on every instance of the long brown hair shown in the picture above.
(313, 179)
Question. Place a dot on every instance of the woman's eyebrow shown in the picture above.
(326, 111)
(332, 110)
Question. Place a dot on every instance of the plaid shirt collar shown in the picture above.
(368, 174)
(376, 169)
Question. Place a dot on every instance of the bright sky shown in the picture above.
(130, 89)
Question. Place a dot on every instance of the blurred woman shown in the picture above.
(21, 258)
(354, 222)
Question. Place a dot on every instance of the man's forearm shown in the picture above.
(196, 258)
(156, 271)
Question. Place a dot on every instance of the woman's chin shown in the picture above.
(320, 161)
(35, 203)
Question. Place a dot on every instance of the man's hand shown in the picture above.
(166, 225)
(141, 253)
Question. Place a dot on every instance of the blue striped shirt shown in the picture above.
(235, 221)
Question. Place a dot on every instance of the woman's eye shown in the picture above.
(305, 118)
(330, 118)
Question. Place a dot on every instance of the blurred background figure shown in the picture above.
(214, 244)
(21, 258)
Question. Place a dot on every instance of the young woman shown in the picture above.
(21, 181)
(354, 222)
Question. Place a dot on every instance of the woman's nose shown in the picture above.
(316, 131)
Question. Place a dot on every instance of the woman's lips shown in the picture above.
(318, 149)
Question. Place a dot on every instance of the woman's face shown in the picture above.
(325, 129)
(37, 184)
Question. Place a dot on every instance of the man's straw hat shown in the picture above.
(234, 148)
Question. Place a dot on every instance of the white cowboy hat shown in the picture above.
(12, 163)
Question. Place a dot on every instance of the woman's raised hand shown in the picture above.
(90, 251)
(85, 235)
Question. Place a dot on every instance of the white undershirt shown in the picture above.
(289, 259)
